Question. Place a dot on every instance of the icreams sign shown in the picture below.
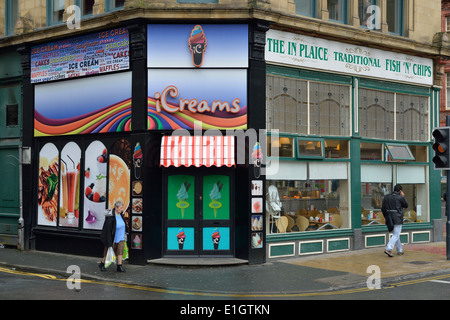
(197, 76)
(101, 52)
(309, 52)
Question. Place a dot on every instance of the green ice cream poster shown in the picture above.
(216, 197)
(181, 197)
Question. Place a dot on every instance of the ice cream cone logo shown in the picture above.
(215, 196)
(216, 238)
(197, 45)
(182, 196)
(181, 236)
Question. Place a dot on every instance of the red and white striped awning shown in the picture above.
(197, 151)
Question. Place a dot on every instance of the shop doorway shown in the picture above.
(198, 214)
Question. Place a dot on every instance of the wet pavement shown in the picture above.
(273, 279)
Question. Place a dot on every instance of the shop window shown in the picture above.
(310, 202)
(371, 151)
(412, 117)
(287, 104)
(290, 108)
(306, 7)
(55, 9)
(310, 148)
(11, 15)
(336, 149)
(280, 146)
(369, 14)
(398, 152)
(376, 114)
(337, 10)
(420, 153)
(415, 187)
(394, 16)
(329, 109)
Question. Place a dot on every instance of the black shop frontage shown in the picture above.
(156, 116)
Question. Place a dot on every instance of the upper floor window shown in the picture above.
(55, 11)
(369, 14)
(394, 16)
(305, 7)
(114, 4)
(88, 7)
(337, 10)
(12, 13)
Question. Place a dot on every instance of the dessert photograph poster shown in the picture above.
(48, 181)
(87, 105)
(95, 179)
(69, 186)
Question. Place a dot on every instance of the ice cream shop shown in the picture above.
(146, 114)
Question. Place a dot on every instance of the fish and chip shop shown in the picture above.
(352, 122)
(168, 118)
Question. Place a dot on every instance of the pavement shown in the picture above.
(273, 279)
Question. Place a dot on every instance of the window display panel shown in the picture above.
(312, 204)
(415, 187)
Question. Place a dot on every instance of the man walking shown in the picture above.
(392, 209)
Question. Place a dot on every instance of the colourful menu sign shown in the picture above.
(100, 52)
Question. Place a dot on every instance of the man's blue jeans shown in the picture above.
(395, 239)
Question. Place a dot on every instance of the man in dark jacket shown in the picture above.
(392, 209)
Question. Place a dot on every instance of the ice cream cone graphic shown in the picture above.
(197, 45)
(216, 238)
(215, 196)
(182, 196)
(180, 238)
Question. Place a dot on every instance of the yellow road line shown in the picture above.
(219, 294)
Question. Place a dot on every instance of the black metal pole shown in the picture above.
(447, 207)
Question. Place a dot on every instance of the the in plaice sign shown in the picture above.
(304, 51)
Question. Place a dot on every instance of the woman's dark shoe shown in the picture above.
(389, 253)
(119, 268)
(102, 266)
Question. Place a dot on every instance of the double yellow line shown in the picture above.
(219, 294)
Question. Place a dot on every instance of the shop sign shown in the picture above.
(100, 52)
(309, 52)
(197, 76)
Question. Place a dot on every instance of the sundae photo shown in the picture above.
(257, 158)
(215, 196)
(216, 238)
(197, 45)
(182, 196)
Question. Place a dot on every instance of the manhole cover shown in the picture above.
(419, 262)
